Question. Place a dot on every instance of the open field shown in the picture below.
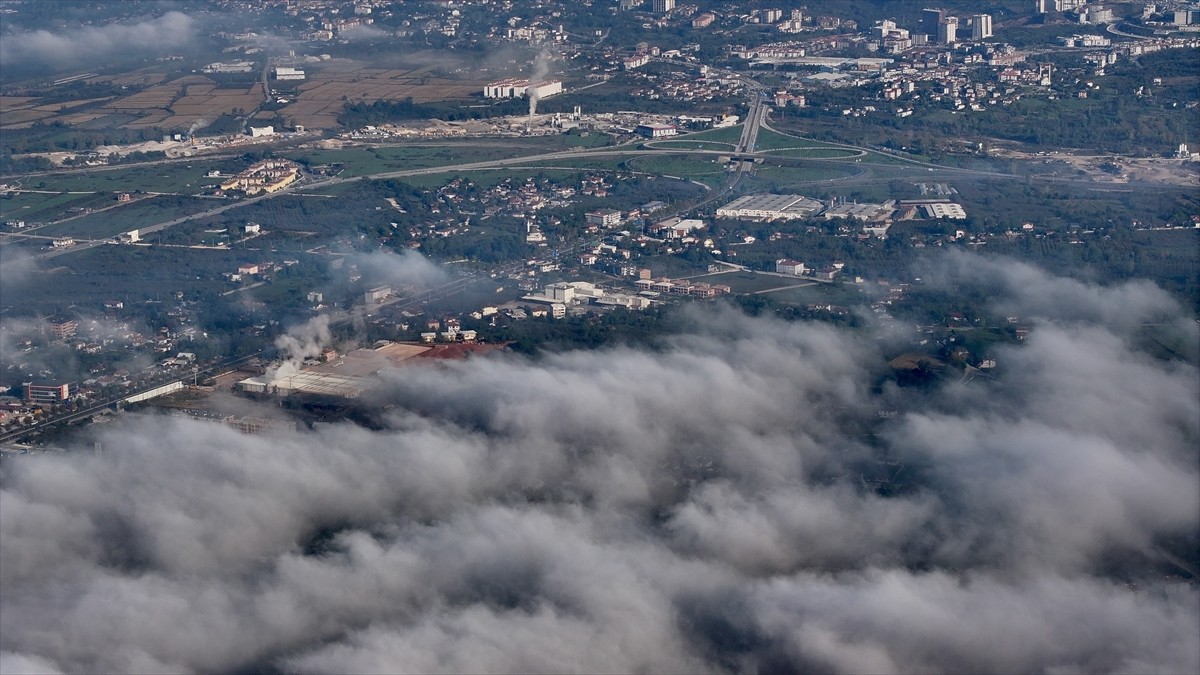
(133, 274)
(782, 177)
(174, 177)
(154, 99)
(34, 207)
(691, 145)
(792, 290)
(330, 85)
(370, 160)
(723, 135)
(136, 215)
(701, 168)
(773, 140)
(174, 104)
(817, 153)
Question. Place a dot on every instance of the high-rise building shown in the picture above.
(930, 18)
(1039, 6)
(981, 26)
(947, 31)
(663, 6)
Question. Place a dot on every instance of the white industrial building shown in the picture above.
(860, 211)
(656, 130)
(770, 207)
(284, 73)
(516, 88)
(944, 210)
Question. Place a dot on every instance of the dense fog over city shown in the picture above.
(712, 504)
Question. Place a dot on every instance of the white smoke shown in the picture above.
(305, 341)
(541, 68)
(198, 125)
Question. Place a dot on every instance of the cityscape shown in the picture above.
(615, 336)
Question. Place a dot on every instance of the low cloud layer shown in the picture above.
(87, 45)
(700, 508)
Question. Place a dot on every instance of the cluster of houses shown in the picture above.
(267, 176)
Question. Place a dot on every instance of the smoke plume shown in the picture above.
(730, 501)
(198, 125)
(541, 68)
(301, 342)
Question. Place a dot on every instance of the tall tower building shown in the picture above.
(663, 6)
(930, 18)
(947, 31)
(981, 26)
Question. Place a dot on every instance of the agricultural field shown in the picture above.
(330, 85)
(157, 102)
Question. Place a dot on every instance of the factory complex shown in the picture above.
(516, 88)
(771, 207)
(345, 376)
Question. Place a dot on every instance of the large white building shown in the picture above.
(859, 211)
(516, 88)
(283, 73)
(770, 207)
(944, 210)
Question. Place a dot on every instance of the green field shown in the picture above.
(729, 135)
(691, 145)
(773, 140)
(781, 177)
(180, 177)
(817, 153)
(46, 207)
(136, 215)
(366, 161)
(700, 168)
(791, 290)
(372, 160)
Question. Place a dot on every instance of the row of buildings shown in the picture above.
(269, 175)
(518, 88)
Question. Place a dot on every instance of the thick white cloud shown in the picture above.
(89, 44)
(699, 507)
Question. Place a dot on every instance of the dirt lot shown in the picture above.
(1138, 170)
